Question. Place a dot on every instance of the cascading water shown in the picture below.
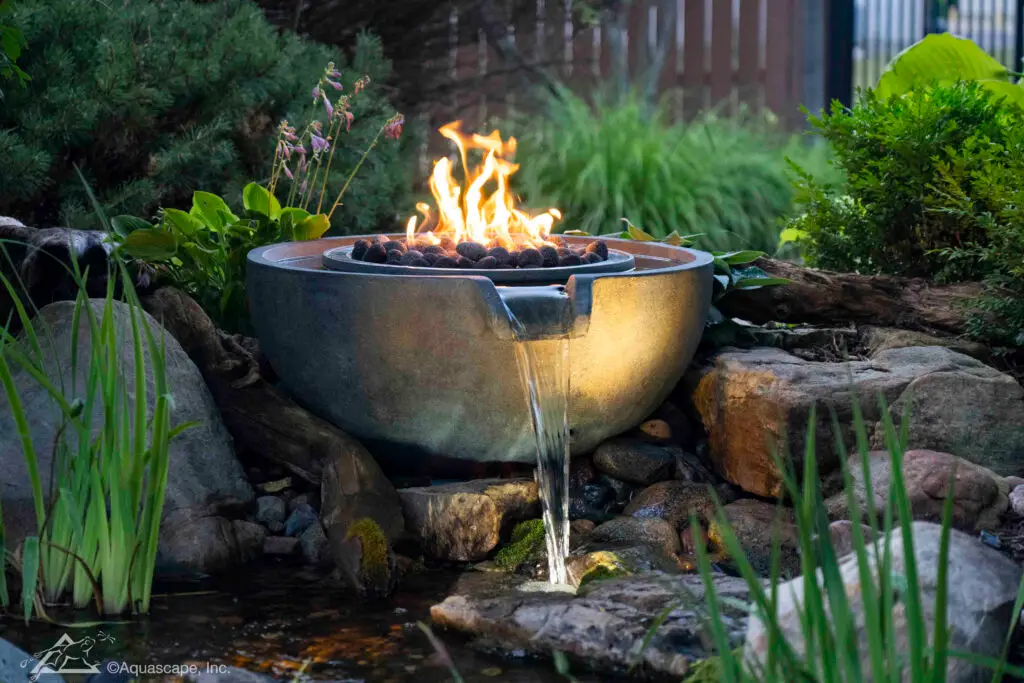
(542, 355)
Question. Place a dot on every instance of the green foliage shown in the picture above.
(12, 42)
(599, 163)
(98, 516)
(527, 543)
(204, 250)
(931, 191)
(892, 604)
(165, 98)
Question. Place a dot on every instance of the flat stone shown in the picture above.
(982, 587)
(605, 625)
(281, 545)
(275, 486)
(756, 526)
(980, 495)
(463, 521)
(880, 339)
(751, 402)
(654, 532)
(673, 501)
(634, 461)
(270, 510)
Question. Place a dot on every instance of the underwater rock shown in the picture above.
(463, 521)
(605, 625)
(204, 477)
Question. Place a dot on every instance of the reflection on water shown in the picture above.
(274, 617)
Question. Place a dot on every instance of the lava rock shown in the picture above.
(530, 258)
(359, 249)
(592, 258)
(410, 256)
(446, 262)
(598, 247)
(394, 257)
(471, 250)
(570, 260)
(464, 262)
(420, 263)
(394, 245)
(500, 254)
(270, 510)
(433, 249)
(376, 253)
(563, 252)
(634, 461)
(487, 262)
(280, 545)
(431, 257)
(549, 256)
(300, 520)
(448, 244)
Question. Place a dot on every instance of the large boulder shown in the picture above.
(752, 402)
(980, 496)
(608, 625)
(204, 481)
(982, 587)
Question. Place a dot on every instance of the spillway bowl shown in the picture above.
(423, 363)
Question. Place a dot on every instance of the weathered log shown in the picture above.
(821, 297)
(259, 416)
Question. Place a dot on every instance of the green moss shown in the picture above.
(527, 542)
(602, 572)
(374, 566)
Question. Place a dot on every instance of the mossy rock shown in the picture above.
(527, 545)
(376, 574)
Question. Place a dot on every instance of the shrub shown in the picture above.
(158, 100)
(598, 164)
(931, 191)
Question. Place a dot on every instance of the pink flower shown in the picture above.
(334, 84)
(327, 106)
(316, 92)
(302, 188)
(288, 173)
(331, 72)
(348, 120)
(393, 128)
(360, 85)
(319, 144)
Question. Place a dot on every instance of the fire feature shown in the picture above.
(477, 225)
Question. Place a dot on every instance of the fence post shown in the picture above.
(839, 51)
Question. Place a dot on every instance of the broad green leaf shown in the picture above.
(792, 235)
(212, 209)
(312, 228)
(186, 224)
(258, 199)
(150, 244)
(124, 225)
(577, 233)
(752, 282)
(290, 218)
(941, 58)
(739, 258)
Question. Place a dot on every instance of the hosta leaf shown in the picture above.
(941, 58)
(739, 258)
(124, 225)
(312, 228)
(257, 199)
(150, 244)
(213, 210)
(186, 224)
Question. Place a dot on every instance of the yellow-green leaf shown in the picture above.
(212, 209)
(636, 233)
(150, 244)
(939, 58)
(258, 199)
(312, 228)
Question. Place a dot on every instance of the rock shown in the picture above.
(596, 561)
(209, 544)
(673, 501)
(622, 492)
(582, 526)
(606, 625)
(841, 534)
(463, 521)
(656, 431)
(1017, 500)
(280, 545)
(751, 401)
(314, 544)
(301, 518)
(691, 467)
(204, 477)
(655, 532)
(634, 461)
(270, 510)
(980, 496)
(18, 666)
(982, 587)
(354, 491)
(880, 339)
(681, 431)
(1014, 482)
(756, 525)
(309, 499)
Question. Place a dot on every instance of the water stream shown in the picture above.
(541, 328)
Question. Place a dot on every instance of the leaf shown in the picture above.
(257, 199)
(213, 210)
(941, 58)
(577, 233)
(792, 235)
(739, 258)
(186, 224)
(150, 244)
(123, 225)
(755, 282)
(29, 574)
(312, 228)
(636, 233)
(290, 218)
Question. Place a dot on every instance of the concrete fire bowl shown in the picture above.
(425, 364)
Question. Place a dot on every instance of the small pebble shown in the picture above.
(464, 262)
(376, 254)
(394, 257)
(600, 248)
(471, 250)
(487, 263)
(359, 249)
(530, 258)
(446, 262)
(410, 256)
(549, 256)
(394, 245)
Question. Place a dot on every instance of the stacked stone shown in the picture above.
(473, 255)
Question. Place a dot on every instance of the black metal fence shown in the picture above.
(864, 35)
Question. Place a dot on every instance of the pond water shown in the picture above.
(272, 617)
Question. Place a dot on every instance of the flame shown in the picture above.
(485, 210)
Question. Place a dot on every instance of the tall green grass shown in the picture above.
(726, 179)
(98, 516)
(829, 627)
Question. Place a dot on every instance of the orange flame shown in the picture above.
(485, 211)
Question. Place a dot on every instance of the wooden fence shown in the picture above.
(727, 55)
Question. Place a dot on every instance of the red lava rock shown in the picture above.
(376, 254)
(549, 256)
(487, 262)
(359, 249)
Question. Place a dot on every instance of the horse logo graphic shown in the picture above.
(67, 656)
